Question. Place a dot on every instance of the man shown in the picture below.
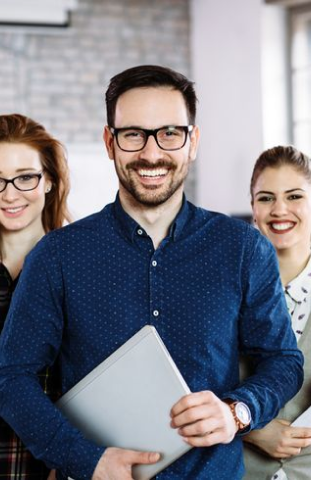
(208, 283)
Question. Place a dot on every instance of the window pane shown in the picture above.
(302, 135)
(302, 94)
(301, 77)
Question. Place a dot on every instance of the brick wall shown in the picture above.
(58, 76)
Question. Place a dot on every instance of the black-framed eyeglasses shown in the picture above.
(132, 139)
(24, 183)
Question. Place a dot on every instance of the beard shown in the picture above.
(151, 195)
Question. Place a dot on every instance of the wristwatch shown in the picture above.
(241, 414)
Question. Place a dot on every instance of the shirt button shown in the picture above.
(139, 231)
(155, 313)
(154, 263)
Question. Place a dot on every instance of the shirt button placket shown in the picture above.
(154, 291)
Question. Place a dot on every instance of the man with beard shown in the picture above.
(208, 283)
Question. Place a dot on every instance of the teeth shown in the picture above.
(282, 226)
(13, 210)
(158, 172)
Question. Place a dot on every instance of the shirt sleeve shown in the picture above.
(31, 340)
(267, 341)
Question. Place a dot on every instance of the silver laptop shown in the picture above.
(126, 401)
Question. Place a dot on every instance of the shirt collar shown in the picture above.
(130, 227)
(299, 288)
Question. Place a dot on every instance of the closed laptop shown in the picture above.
(126, 401)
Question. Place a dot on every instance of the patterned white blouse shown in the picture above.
(298, 300)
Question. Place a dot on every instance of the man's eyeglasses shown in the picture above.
(132, 139)
(24, 183)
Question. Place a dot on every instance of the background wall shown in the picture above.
(226, 59)
(58, 76)
(235, 51)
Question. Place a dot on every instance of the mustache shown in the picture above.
(138, 164)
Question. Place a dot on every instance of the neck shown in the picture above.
(155, 220)
(15, 245)
(292, 263)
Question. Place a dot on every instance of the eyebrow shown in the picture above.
(137, 127)
(21, 170)
(286, 191)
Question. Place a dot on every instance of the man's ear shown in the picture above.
(108, 139)
(194, 142)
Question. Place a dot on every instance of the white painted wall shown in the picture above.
(93, 179)
(226, 62)
(240, 63)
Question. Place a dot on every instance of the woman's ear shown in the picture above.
(48, 186)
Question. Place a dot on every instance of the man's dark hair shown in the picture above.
(144, 76)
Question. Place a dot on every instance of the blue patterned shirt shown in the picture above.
(212, 291)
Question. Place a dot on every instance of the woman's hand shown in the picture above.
(279, 440)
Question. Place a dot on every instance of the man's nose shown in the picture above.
(151, 150)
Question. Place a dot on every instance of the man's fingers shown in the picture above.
(207, 440)
(199, 428)
(201, 413)
(133, 457)
(116, 463)
(191, 400)
(193, 414)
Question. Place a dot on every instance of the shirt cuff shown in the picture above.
(83, 459)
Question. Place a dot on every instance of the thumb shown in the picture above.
(144, 457)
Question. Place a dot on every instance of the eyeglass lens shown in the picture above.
(169, 138)
(22, 182)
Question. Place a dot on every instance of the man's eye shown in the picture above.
(172, 133)
(133, 134)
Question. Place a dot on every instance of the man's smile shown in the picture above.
(156, 172)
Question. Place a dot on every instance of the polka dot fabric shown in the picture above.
(298, 300)
(211, 289)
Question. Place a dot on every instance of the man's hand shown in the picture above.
(52, 475)
(279, 440)
(203, 419)
(116, 463)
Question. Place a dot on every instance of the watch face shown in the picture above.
(243, 413)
